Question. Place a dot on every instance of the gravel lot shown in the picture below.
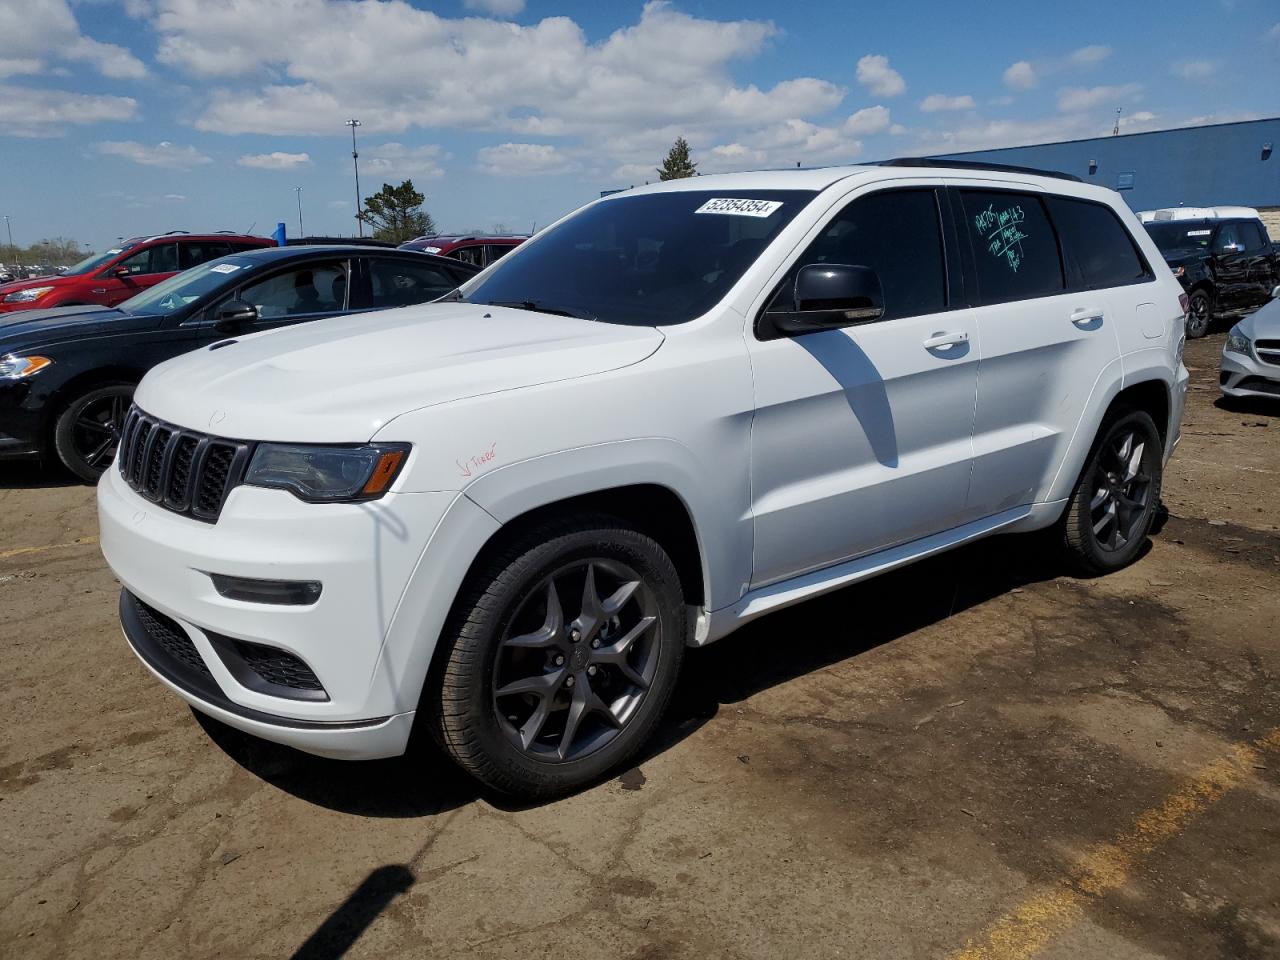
(974, 757)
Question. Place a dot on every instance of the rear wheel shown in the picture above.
(560, 658)
(1199, 314)
(88, 429)
(1116, 497)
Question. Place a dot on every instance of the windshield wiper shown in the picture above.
(537, 307)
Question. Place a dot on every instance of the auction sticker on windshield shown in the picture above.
(740, 208)
(224, 268)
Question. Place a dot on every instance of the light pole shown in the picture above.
(8, 226)
(298, 191)
(355, 162)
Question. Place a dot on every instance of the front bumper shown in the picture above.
(1243, 376)
(362, 554)
(19, 419)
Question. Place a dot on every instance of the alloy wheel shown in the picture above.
(1198, 317)
(576, 660)
(1122, 491)
(96, 430)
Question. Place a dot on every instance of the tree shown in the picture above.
(396, 213)
(677, 165)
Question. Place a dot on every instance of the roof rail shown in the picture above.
(974, 165)
(172, 232)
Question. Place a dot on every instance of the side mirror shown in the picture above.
(1275, 292)
(232, 314)
(121, 273)
(831, 295)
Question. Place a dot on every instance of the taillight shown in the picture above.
(1185, 303)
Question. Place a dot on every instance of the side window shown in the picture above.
(473, 255)
(398, 283)
(239, 246)
(899, 235)
(196, 252)
(1251, 236)
(497, 251)
(1014, 245)
(1097, 244)
(1228, 239)
(164, 258)
(319, 287)
(137, 264)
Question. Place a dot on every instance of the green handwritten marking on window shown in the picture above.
(1002, 231)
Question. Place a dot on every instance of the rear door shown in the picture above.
(1231, 266)
(192, 253)
(310, 290)
(386, 282)
(1260, 261)
(1043, 346)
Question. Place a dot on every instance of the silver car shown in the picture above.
(1251, 355)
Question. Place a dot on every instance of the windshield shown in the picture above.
(658, 258)
(94, 261)
(1180, 236)
(184, 289)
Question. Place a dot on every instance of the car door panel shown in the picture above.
(861, 437)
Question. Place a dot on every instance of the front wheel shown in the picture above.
(1199, 314)
(560, 657)
(1116, 497)
(88, 429)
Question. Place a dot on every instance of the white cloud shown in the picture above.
(867, 121)
(31, 112)
(176, 197)
(1274, 33)
(936, 102)
(163, 154)
(1194, 69)
(1020, 76)
(499, 8)
(1088, 56)
(276, 160)
(876, 75)
(34, 32)
(1074, 99)
(394, 160)
(523, 160)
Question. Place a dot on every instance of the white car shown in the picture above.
(504, 516)
(1197, 213)
(1251, 355)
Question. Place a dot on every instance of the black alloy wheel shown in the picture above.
(1199, 314)
(88, 429)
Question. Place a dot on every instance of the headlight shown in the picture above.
(15, 368)
(327, 474)
(1237, 342)
(27, 295)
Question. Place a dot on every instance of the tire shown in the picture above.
(1199, 314)
(504, 634)
(1116, 498)
(88, 428)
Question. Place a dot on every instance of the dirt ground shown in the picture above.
(974, 757)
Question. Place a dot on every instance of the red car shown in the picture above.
(479, 251)
(115, 275)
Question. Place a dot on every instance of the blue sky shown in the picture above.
(121, 117)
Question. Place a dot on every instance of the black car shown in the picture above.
(1226, 266)
(67, 374)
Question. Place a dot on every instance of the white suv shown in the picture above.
(506, 514)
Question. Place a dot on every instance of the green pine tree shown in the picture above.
(396, 214)
(677, 165)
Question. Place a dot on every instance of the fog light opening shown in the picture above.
(300, 593)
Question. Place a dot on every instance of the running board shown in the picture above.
(776, 596)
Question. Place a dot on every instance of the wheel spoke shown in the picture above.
(552, 630)
(1108, 516)
(616, 655)
(591, 606)
(1099, 498)
(619, 598)
(537, 720)
(573, 720)
(540, 685)
(97, 426)
(94, 458)
(1124, 447)
(1134, 464)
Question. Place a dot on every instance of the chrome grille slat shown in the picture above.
(181, 470)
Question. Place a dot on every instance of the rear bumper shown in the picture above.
(1243, 376)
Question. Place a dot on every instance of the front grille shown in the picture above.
(181, 470)
(277, 666)
(1268, 351)
(169, 637)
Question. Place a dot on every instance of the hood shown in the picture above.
(26, 329)
(52, 280)
(343, 379)
(1263, 323)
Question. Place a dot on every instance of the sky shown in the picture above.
(125, 117)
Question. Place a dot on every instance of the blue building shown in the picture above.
(1224, 163)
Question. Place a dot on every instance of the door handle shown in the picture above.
(1082, 315)
(945, 341)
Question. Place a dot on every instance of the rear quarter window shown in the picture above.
(1014, 245)
(1099, 250)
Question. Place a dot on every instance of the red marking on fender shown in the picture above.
(468, 467)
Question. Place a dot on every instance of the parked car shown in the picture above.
(1227, 266)
(67, 374)
(1251, 355)
(115, 275)
(479, 251)
(1196, 213)
(507, 513)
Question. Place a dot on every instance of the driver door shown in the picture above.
(862, 436)
(135, 273)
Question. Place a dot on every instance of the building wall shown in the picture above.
(1192, 166)
(1271, 220)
